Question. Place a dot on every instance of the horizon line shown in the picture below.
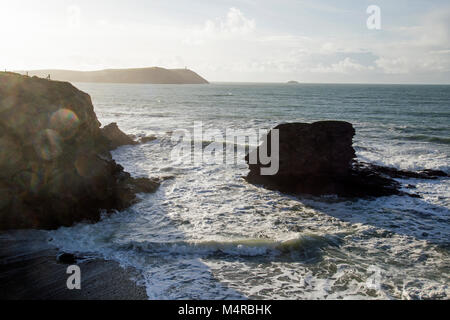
(231, 81)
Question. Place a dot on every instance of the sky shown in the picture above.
(234, 41)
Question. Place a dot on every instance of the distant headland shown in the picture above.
(292, 82)
(154, 75)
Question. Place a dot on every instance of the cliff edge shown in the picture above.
(55, 164)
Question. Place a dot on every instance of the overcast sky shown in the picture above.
(242, 40)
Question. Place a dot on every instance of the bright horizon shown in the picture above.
(234, 41)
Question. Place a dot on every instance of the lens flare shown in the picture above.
(65, 122)
(48, 144)
(36, 178)
(30, 180)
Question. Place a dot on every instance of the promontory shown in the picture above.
(56, 168)
(154, 75)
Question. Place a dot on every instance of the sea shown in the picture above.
(208, 234)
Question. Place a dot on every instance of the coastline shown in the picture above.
(29, 270)
(399, 235)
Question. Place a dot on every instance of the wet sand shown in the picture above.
(29, 270)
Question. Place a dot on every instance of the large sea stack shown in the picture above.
(55, 164)
(319, 159)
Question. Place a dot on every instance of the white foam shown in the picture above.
(209, 234)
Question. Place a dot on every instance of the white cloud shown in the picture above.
(231, 47)
(418, 49)
(345, 66)
(235, 24)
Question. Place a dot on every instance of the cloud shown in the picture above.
(414, 62)
(345, 66)
(435, 30)
(234, 24)
(422, 48)
(232, 46)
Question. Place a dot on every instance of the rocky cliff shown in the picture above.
(55, 165)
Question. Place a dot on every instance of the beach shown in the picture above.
(29, 270)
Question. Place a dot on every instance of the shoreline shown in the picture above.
(29, 270)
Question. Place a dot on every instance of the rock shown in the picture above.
(144, 185)
(319, 149)
(319, 159)
(147, 139)
(66, 258)
(115, 137)
(131, 186)
(55, 164)
(402, 174)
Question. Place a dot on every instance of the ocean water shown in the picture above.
(207, 234)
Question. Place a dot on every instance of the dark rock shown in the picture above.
(147, 139)
(66, 258)
(319, 149)
(319, 159)
(144, 185)
(130, 186)
(402, 174)
(432, 174)
(116, 137)
(55, 165)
